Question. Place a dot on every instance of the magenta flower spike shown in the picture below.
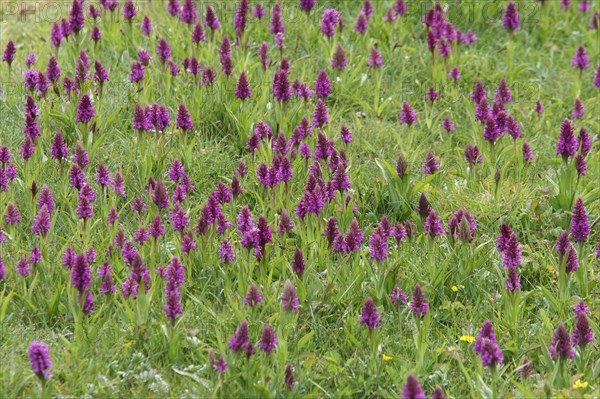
(85, 110)
(242, 90)
(412, 389)
(369, 316)
(580, 229)
(407, 115)
(511, 18)
(560, 348)
(580, 60)
(184, 120)
(39, 360)
(268, 340)
(567, 143)
(146, 26)
(418, 304)
(375, 60)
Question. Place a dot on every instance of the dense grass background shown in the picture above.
(127, 347)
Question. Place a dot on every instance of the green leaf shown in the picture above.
(305, 340)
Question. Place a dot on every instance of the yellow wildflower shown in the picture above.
(454, 288)
(467, 338)
(387, 358)
(580, 384)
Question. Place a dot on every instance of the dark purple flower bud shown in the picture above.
(289, 299)
(527, 153)
(580, 165)
(585, 144)
(81, 156)
(39, 360)
(189, 12)
(512, 280)
(277, 20)
(268, 339)
(431, 164)
(423, 208)
(65, 28)
(338, 61)
(80, 274)
(198, 34)
(432, 225)
(105, 273)
(401, 166)
(298, 262)
(580, 60)
(400, 8)
(378, 249)
(56, 35)
(582, 333)
(173, 8)
(31, 130)
(95, 35)
(572, 263)
(412, 389)
(100, 73)
(41, 222)
(581, 307)
(511, 255)
(362, 24)
(472, 155)
(163, 50)
(262, 53)
(375, 60)
(418, 305)
(35, 256)
(560, 348)
(281, 86)
(578, 109)
(511, 18)
(184, 121)
(239, 338)
(320, 116)
(567, 143)
(76, 21)
(407, 115)
(580, 229)
(137, 73)
(390, 15)
(28, 148)
(53, 71)
(258, 12)
(330, 19)
(397, 295)
(322, 85)
(454, 74)
(112, 216)
(23, 267)
(369, 316)
(220, 366)
(437, 393)
(211, 21)
(478, 92)
(242, 90)
(146, 26)
(157, 228)
(252, 296)
(85, 110)
(129, 11)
